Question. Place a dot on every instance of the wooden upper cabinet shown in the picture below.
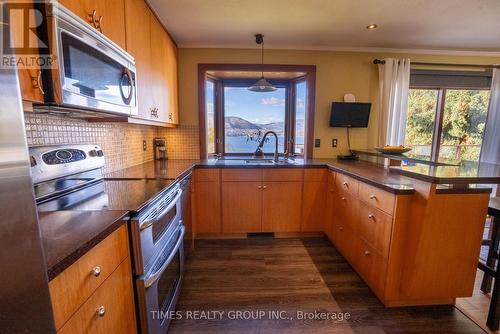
(29, 79)
(172, 81)
(138, 16)
(109, 17)
(158, 82)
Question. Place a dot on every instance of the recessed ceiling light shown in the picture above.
(372, 26)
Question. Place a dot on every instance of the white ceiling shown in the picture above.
(463, 25)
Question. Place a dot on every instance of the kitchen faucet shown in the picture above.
(259, 153)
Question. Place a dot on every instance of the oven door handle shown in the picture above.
(148, 222)
(156, 276)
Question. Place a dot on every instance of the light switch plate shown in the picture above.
(144, 145)
(317, 142)
(334, 142)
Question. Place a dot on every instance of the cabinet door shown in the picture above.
(114, 299)
(282, 206)
(29, 79)
(207, 203)
(241, 207)
(171, 81)
(139, 46)
(157, 79)
(109, 13)
(314, 200)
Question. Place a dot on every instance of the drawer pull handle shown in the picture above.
(371, 216)
(342, 198)
(373, 197)
(96, 271)
(101, 311)
(345, 184)
(367, 253)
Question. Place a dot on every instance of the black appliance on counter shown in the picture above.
(70, 178)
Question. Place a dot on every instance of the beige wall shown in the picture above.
(337, 73)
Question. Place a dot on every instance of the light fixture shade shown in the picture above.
(262, 86)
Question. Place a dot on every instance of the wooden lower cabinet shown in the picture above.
(314, 200)
(95, 294)
(370, 265)
(110, 309)
(207, 201)
(241, 207)
(281, 206)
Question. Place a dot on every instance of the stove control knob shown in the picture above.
(100, 153)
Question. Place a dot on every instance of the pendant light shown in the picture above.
(262, 85)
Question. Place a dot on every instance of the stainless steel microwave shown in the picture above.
(92, 73)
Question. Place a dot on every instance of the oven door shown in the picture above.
(152, 230)
(159, 290)
(94, 72)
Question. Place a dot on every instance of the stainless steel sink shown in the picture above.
(259, 161)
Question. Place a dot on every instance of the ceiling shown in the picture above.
(458, 25)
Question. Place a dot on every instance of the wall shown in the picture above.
(337, 73)
(121, 143)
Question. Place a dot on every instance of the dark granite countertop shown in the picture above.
(467, 173)
(157, 169)
(68, 235)
(409, 157)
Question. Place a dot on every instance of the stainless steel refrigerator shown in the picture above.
(24, 294)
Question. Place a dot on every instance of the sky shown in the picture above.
(260, 108)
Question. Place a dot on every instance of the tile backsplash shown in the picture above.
(121, 142)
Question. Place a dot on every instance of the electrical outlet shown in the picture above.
(334, 142)
(317, 142)
(144, 145)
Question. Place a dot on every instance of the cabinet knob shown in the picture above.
(342, 198)
(367, 252)
(341, 228)
(373, 197)
(96, 271)
(101, 311)
(264, 187)
(345, 184)
(370, 216)
(259, 187)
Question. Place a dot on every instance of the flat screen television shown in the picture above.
(350, 115)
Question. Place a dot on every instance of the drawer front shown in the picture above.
(207, 174)
(345, 210)
(346, 184)
(377, 197)
(344, 240)
(74, 285)
(315, 174)
(371, 266)
(242, 174)
(109, 310)
(375, 227)
(282, 174)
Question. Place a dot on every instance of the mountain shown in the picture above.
(238, 123)
(276, 126)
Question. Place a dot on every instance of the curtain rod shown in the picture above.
(380, 61)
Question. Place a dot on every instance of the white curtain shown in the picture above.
(394, 81)
(490, 151)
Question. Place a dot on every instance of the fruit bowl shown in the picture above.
(393, 149)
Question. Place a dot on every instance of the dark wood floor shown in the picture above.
(293, 275)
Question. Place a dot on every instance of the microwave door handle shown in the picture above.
(156, 276)
(128, 75)
(148, 222)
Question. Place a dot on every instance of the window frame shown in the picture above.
(437, 131)
(220, 119)
(310, 77)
